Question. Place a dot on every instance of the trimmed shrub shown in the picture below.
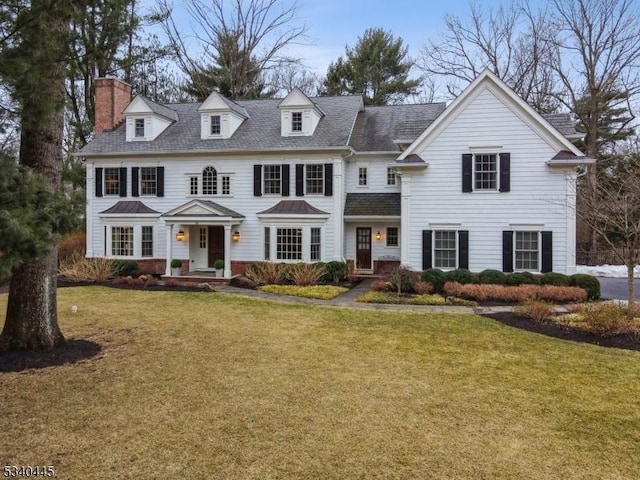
(126, 268)
(380, 286)
(514, 294)
(461, 275)
(402, 280)
(492, 277)
(335, 271)
(423, 288)
(435, 277)
(588, 282)
(218, 264)
(557, 279)
(536, 310)
(521, 278)
(305, 274)
(71, 245)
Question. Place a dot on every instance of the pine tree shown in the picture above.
(377, 67)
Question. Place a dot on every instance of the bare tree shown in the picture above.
(613, 212)
(294, 75)
(238, 45)
(511, 41)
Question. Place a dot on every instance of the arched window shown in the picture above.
(209, 181)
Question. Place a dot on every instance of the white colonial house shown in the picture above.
(483, 183)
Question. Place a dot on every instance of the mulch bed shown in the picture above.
(563, 332)
(72, 351)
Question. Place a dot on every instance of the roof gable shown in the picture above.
(142, 105)
(217, 102)
(296, 98)
(488, 81)
(202, 208)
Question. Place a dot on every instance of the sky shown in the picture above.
(333, 24)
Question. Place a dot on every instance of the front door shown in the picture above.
(215, 245)
(363, 248)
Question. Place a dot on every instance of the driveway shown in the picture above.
(616, 288)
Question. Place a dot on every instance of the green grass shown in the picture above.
(322, 292)
(207, 385)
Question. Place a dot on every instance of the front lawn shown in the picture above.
(207, 385)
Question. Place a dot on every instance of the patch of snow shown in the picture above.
(616, 271)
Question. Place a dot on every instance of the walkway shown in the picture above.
(348, 300)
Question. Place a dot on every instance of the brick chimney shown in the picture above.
(112, 97)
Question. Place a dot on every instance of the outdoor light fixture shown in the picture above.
(180, 236)
(235, 236)
(378, 235)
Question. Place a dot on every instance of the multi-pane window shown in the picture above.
(112, 181)
(392, 236)
(314, 179)
(527, 251)
(193, 185)
(148, 181)
(391, 176)
(209, 181)
(289, 244)
(267, 243)
(147, 241)
(202, 237)
(215, 125)
(362, 176)
(315, 252)
(445, 249)
(122, 241)
(296, 121)
(486, 172)
(139, 128)
(272, 179)
(226, 185)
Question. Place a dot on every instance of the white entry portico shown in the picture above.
(204, 221)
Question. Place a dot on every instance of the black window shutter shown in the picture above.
(98, 182)
(467, 172)
(160, 182)
(123, 181)
(134, 182)
(426, 249)
(328, 179)
(507, 251)
(299, 180)
(505, 172)
(285, 180)
(547, 252)
(257, 180)
(463, 249)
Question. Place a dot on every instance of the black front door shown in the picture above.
(363, 248)
(215, 244)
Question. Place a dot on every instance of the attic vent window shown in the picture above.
(296, 121)
(139, 130)
(215, 125)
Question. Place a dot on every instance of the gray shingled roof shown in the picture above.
(372, 204)
(377, 127)
(372, 130)
(261, 131)
(160, 109)
(293, 207)
(563, 123)
(128, 207)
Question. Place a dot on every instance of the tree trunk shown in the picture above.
(631, 292)
(32, 318)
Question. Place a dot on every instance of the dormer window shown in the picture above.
(139, 128)
(296, 121)
(216, 125)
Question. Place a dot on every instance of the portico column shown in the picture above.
(227, 251)
(405, 181)
(169, 249)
